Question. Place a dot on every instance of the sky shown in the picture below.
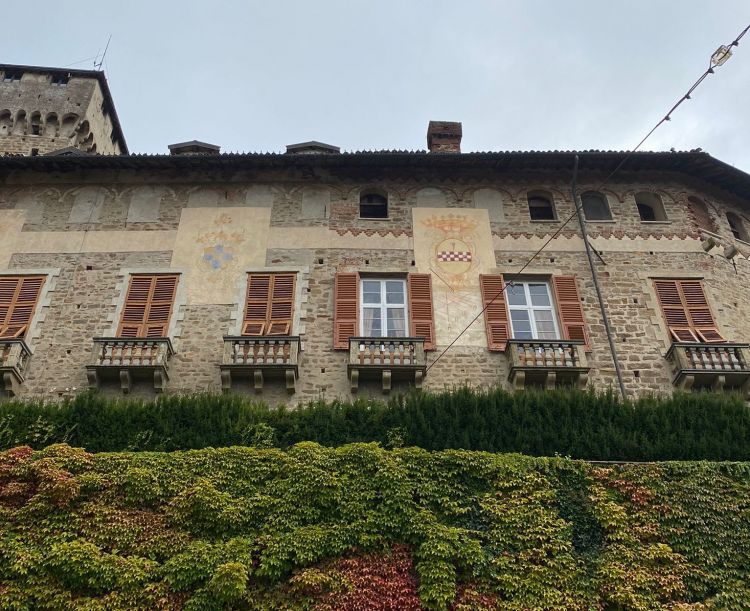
(368, 75)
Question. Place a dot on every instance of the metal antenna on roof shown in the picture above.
(98, 65)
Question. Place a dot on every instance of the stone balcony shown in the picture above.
(14, 358)
(714, 366)
(547, 363)
(129, 360)
(259, 358)
(386, 359)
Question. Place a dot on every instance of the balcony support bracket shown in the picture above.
(125, 382)
(291, 379)
(258, 380)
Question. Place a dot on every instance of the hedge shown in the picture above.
(361, 527)
(569, 423)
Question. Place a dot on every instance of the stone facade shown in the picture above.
(49, 109)
(86, 222)
(90, 224)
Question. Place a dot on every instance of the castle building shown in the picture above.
(320, 274)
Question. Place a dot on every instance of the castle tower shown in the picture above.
(52, 109)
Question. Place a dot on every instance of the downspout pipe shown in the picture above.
(595, 277)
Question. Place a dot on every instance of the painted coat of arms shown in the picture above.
(453, 248)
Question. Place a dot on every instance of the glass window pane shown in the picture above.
(371, 291)
(396, 322)
(371, 326)
(543, 315)
(539, 294)
(521, 324)
(515, 294)
(394, 291)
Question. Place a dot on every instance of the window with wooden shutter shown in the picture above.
(496, 321)
(686, 311)
(18, 298)
(345, 309)
(422, 320)
(148, 306)
(269, 304)
(570, 309)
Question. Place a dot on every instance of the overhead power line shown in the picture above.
(718, 58)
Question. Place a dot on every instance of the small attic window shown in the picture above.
(650, 207)
(541, 207)
(12, 76)
(738, 227)
(373, 204)
(595, 206)
(60, 79)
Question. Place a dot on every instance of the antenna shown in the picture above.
(98, 65)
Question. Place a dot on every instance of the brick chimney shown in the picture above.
(444, 137)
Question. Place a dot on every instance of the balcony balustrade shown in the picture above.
(14, 358)
(386, 358)
(547, 363)
(715, 366)
(259, 358)
(130, 359)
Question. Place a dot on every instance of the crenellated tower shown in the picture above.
(56, 109)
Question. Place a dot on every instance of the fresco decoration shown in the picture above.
(455, 247)
(216, 246)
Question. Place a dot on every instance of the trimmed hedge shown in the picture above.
(569, 423)
(360, 527)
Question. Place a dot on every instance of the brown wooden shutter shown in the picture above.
(686, 311)
(345, 309)
(570, 309)
(496, 319)
(256, 304)
(269, 304)
(148, 306)
(421, 316)
(18, 299)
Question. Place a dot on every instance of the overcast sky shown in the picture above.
(520, 75)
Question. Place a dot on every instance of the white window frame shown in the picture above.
(383, 305)
(530, 309)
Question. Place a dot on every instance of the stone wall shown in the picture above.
(93, 225)
(37, 114)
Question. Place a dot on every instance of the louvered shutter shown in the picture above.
(345, 309)
(421, 317)
(686, 311)
(148, 306)
(269, 304)
(18, 299)
(570, 309)
(281, 307)
(256, 304)
(496, 319)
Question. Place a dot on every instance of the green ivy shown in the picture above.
(252, 528)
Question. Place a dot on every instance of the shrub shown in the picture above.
(701, 426)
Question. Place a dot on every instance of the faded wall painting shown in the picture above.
(455, 247)
(215, 246)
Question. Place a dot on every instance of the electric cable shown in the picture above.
(719, 57)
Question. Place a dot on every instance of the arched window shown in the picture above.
(650, 207)
(737, 227)
(36, 123)
(541, 206)
(373, 204)
(595, 206)
(701, 215)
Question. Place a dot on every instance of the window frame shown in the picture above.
(529, 308)
(383, 305)
(378, 193)
(541, 195)
(603, 198)
(656, 206)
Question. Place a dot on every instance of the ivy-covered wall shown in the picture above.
(705, 426)
(361, 527)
